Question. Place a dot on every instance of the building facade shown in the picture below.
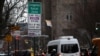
(66, 17)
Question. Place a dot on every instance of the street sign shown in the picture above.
(8, 38)
(33, 32)
(15, 33)
(34, 7)
(34, 18)
(34, 21)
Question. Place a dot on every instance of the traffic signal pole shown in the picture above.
(8, 49)
(8, 38)
(15, 31)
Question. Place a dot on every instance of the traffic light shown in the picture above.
(97, 29)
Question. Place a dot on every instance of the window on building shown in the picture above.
(69, 17)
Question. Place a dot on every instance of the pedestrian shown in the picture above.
(53, 53)
(43, 53)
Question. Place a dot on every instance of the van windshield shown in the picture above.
(50, 48)
(69, 48)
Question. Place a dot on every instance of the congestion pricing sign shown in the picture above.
(34, 18)
(34, 8)
(34, 21)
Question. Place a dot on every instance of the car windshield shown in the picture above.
(50, 48)
(69, 48)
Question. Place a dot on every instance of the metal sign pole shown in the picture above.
(15, 47)
(34, 21)
(34, 45)
(8, 49)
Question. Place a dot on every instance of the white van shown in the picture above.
(64, 46)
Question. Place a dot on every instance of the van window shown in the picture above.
(50, 48)
(69, 48)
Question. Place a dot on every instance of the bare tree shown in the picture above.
(12, 10)
(1, 19)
